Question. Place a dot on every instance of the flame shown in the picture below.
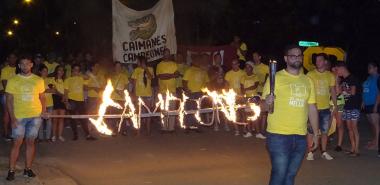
(225, 102)
(106, 102)
(182, 110)
(131, 113)
(256, 110)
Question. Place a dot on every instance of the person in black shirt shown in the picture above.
(351, 113)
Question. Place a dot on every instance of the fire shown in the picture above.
(256, 110)
(225, 102)
(182, 110)
(131, 113)
(99, 123)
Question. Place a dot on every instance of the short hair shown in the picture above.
(25, 57)
(290, 47)
(75, 65)
(341, 64)
(42, 67)
(91, 65)
(324, 55)
(373, 64)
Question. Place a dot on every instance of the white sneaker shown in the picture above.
(310, 156)
(247, 135)
(61, 138)
(53, 139)
(327, 156)
(260, 136)
(237, 133)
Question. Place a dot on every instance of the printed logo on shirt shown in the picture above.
(322, 87)
(298, 94)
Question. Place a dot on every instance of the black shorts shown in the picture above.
(368, 109)
(58, 103)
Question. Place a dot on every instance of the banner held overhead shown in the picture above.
(145, 33)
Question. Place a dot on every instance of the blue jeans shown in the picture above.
(27, 128)
(286, 155)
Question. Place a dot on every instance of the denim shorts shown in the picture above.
(368, 109)
(353, 114)
(324, 118)
(27, 128)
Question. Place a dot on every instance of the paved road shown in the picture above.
(209, 158)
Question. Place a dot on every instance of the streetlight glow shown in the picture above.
(16, 21)
(27, 1)
(9, 33)
(57, 33)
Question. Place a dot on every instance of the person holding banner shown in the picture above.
(74, 96)
(167, 72)
(294, 95)
(194, 80)
(249, 84)
(141, 80)
(26, 106)
(233, 78)
(262, 72)
(120, 82)
(95, 86)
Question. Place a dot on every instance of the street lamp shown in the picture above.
(27, 1)
(9, 33)
(57, 33)
(16, 22)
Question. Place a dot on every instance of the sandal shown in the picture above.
(355, 154)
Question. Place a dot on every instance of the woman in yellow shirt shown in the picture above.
(44, 133)
(141, 81)
(59, 107)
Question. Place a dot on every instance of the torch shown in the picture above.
(272, 74)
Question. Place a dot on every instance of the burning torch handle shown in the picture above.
(272, 75)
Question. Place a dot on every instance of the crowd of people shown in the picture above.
(34, 87)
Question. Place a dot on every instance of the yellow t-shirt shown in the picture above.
(48, 96)
(196, 79)
(243, 47)
(322, 82)
(75, 86)
(1, 85)
(293, 94)
(59, 85)
(233, 78)
(97, 81)
(181, 69)
(26, 91)
(167, 67)
(51, 66)
(8, 72)
(141, 89)
(119, 82)
(249, 81)
(67, 70)
(261, 70)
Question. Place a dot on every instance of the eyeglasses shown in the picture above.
(294, 56)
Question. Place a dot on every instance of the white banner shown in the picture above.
(145, 33)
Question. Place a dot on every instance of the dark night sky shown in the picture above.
(264, 25)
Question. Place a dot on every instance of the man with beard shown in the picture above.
(26, 105)
(286, 140)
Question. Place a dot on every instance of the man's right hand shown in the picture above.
(269, 99)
